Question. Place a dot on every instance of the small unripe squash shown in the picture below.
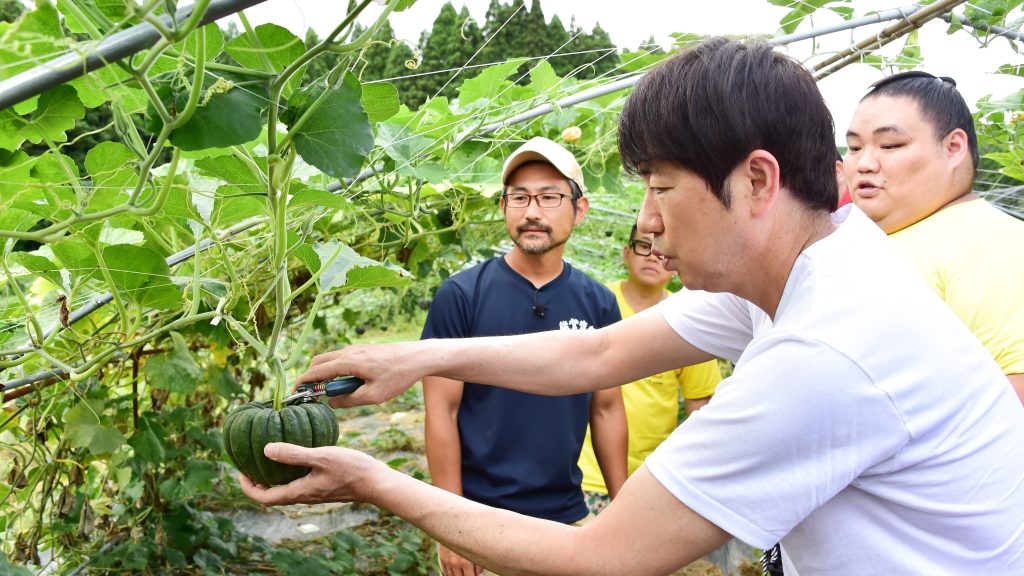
(250, 427)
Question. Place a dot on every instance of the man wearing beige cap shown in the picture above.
(511, 449)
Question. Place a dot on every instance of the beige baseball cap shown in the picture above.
(545, 150)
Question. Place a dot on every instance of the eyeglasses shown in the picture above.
(545, 200)
(640, 247)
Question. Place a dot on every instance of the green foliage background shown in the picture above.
(326, 185)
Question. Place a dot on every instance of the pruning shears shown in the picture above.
(312, 391)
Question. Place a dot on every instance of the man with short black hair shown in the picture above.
(912, 158)
(505, 448)
(863, 424)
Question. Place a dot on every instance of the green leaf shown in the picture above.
(543, 77)
(845, 12)
(214, 42)
(228, 112)
(16, 220)
(110, 235)
(488, 83)
(34, 38)
(640, 60)
(176, 370)
(112, 168)
(1013, 69)
(142, 276)
(223, 382)
(12, 569)
(336, 136)
(11, 124)
(1010, 164)
(38, 265)
(149, 440)
(989, 12)
(57, 112)
(53, 174)
(229, 210)
(234, 171)
(380, 100)
(800, 10)
(273, 49)
(77, 257)
(317, 198)
(910, 56)
(409, 151)
(293, 563)
(350, 270)
(107, 84)
(15, 176)
(199, 476)
(229, 207)
(380, 276)
(84, 430)
(113, 9)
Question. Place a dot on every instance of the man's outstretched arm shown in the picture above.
(553, 363)
(645, 530)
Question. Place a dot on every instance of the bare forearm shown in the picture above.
(558, 363)
(539, 363)
(646, 530)
(444, 456)
(441, 399)
(694, 404)
(609, 434)
(490, 537)
(553, 363)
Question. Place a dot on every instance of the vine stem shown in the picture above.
(307, 328)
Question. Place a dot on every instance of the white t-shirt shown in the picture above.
(865, 428)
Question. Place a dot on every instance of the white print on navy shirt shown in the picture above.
(574, 324)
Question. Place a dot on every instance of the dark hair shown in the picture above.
(941, 104)
(709, 107)
(632, 233)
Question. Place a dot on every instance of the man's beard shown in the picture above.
(536, 249)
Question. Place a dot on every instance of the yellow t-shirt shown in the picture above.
(652, 408)
(972, 255)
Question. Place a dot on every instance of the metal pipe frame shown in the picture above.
(74, 64)
(1008, 33)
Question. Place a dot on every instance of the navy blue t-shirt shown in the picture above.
(519, 450)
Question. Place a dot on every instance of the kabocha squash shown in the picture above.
(252, 426)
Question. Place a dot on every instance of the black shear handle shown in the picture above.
(346, 385)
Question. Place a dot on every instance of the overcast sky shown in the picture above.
(631, 22)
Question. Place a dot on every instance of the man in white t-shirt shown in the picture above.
(863, 425)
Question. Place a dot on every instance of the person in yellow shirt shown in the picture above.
(910, 166)
(652, 404)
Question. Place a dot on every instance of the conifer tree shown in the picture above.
(558, 44)
(10, 10)
(599, 55)
(447, 47)
(503, 30)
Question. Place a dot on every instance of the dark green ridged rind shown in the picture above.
(250, 427)
(238, 431)
(266, 429)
